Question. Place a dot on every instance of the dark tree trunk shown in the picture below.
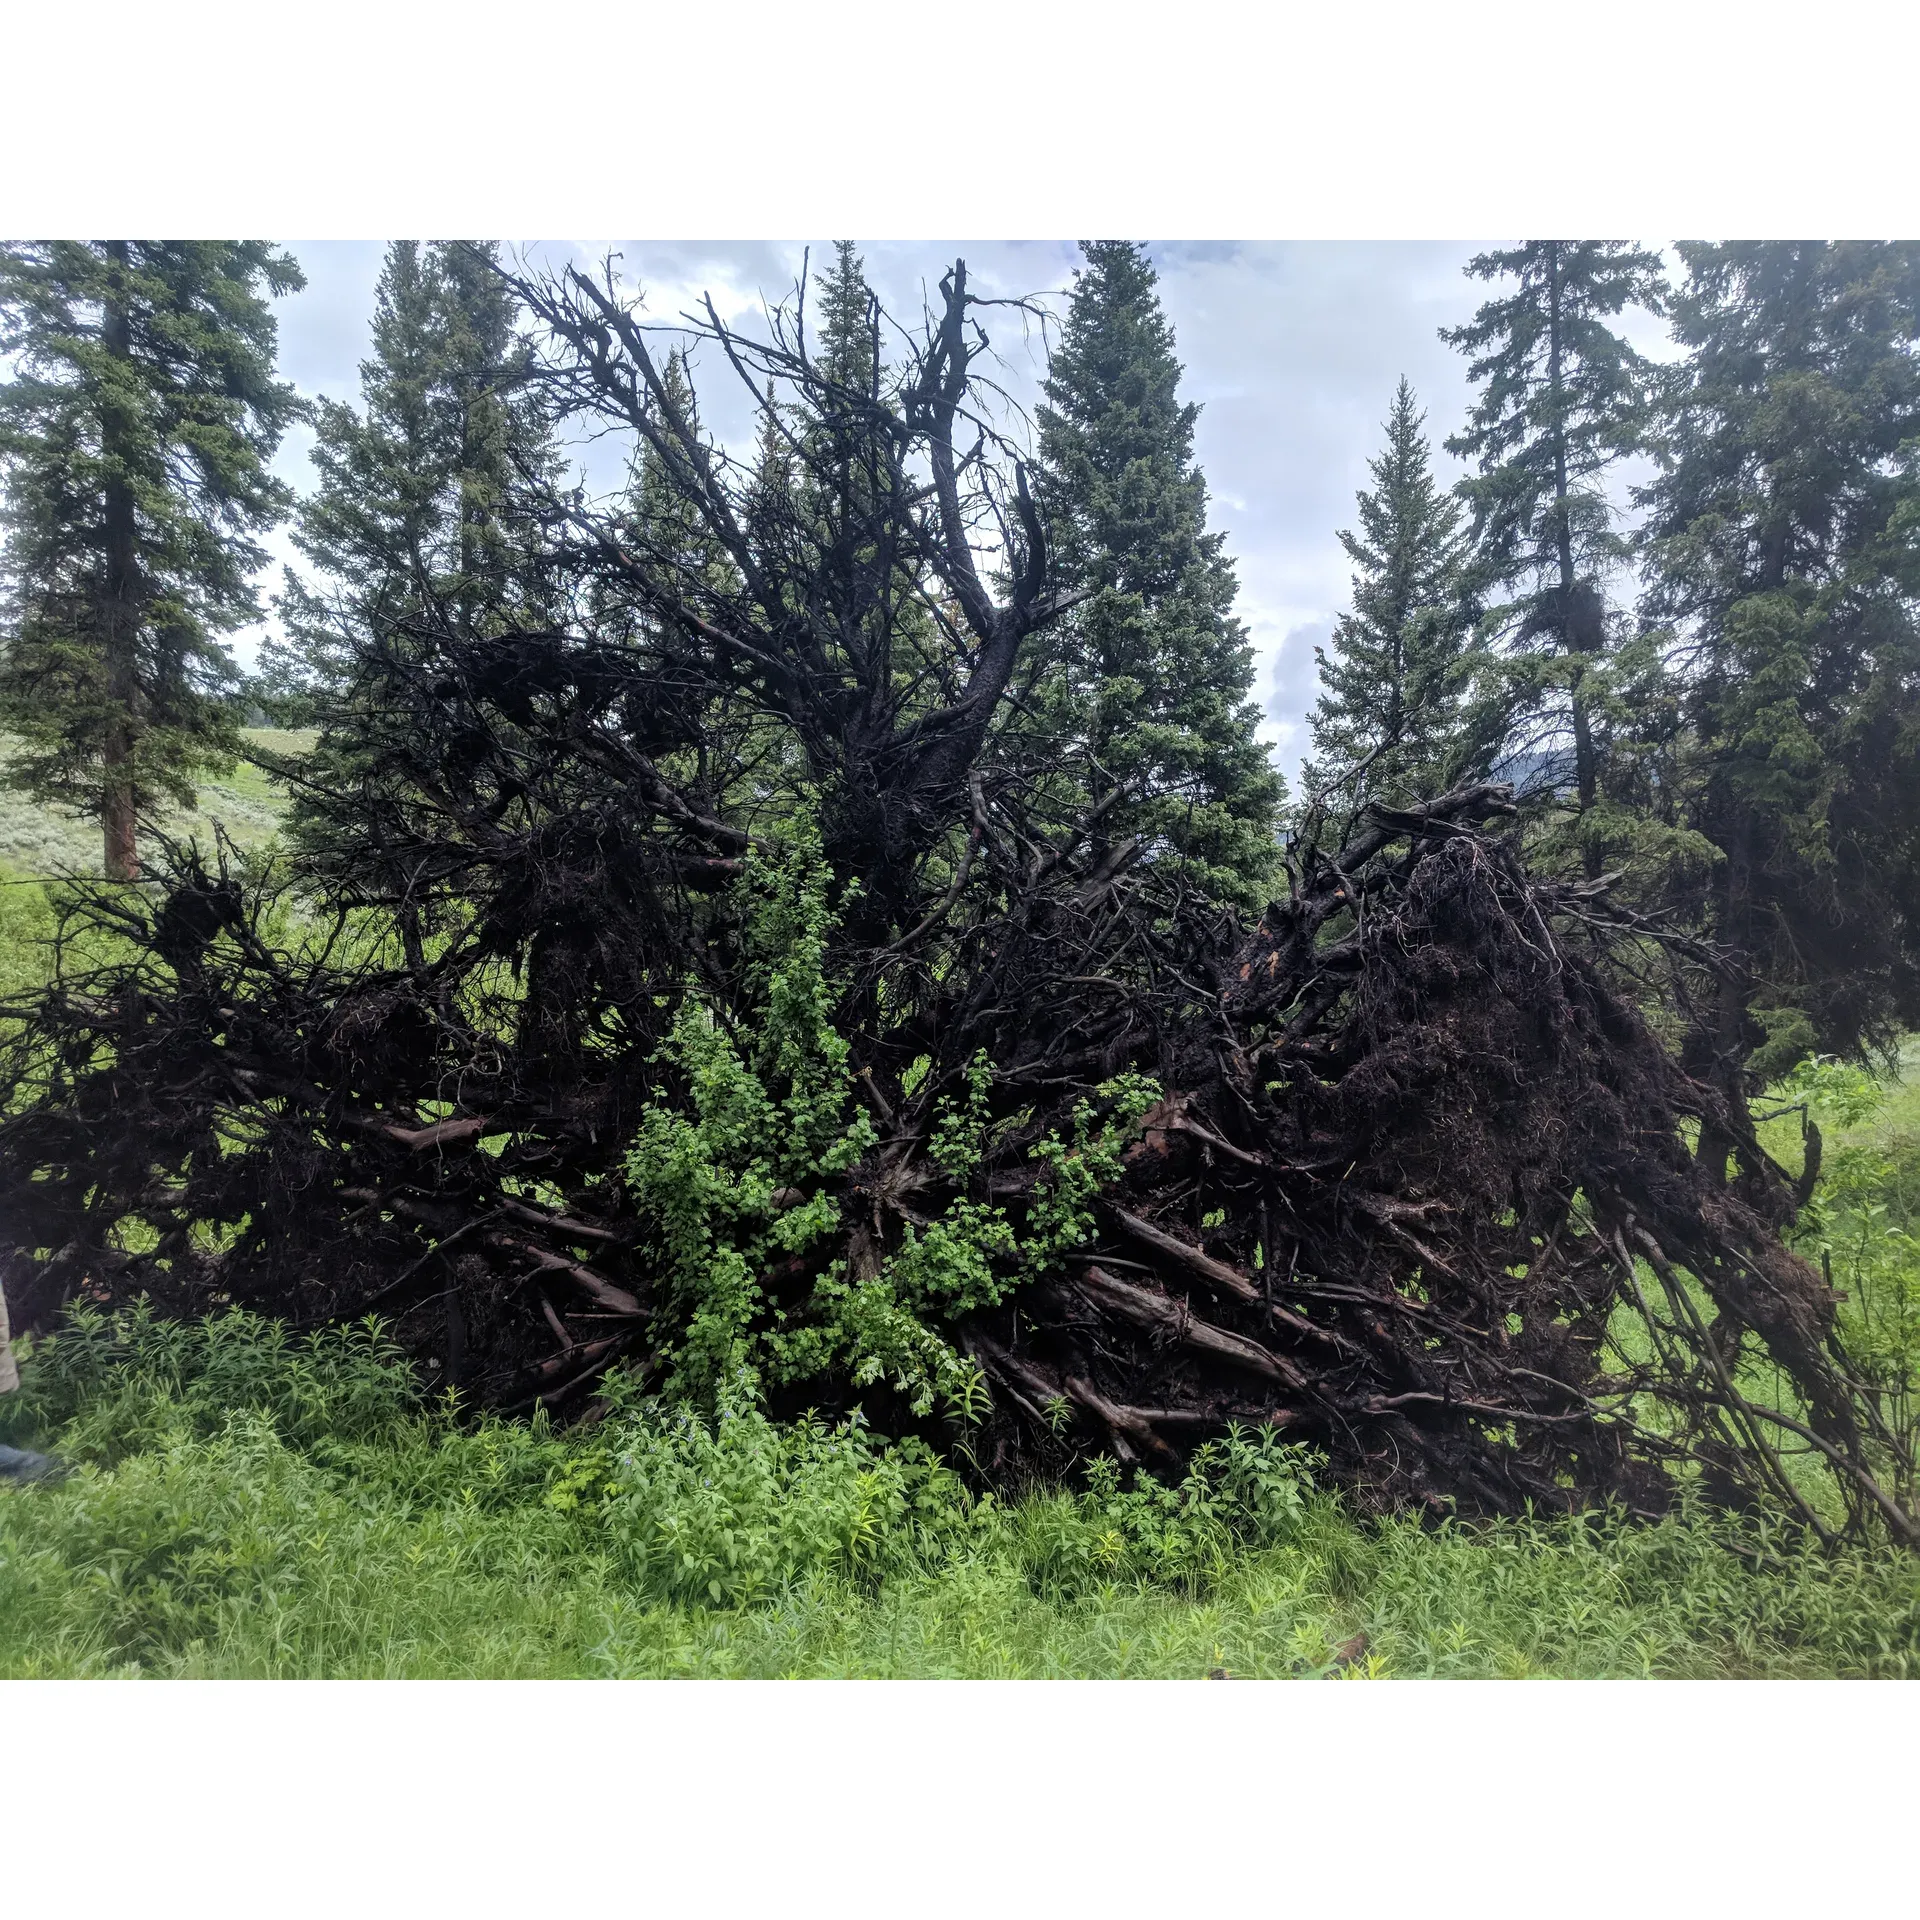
(120, 613)
(1574, 637)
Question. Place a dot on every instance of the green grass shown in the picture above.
(1863, 1226)
(248, 1504)
(40, 842)
(37, 841)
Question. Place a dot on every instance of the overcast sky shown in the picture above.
(1292, 350)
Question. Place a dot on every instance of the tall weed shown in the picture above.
(115, 1384)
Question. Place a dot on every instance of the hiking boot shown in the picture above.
(18, 1465)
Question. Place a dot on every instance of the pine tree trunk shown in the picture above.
(120, 845)
(1730, 1005)
(120, 848)
(1585, 773)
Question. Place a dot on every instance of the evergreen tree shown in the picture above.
(847, 483)
(773, 462)
(1781, 542)
(495, 432)
(1153, 669)
(136, 434)
(849, 351)
(841, 466)
(413, 519)
(667, 531)
(1393, 677)
(1563, 396)
(666, 522)
(847, 468)
(419, 535)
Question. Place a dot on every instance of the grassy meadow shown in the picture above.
(38, 842)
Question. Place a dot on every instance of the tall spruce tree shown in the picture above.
(1154, 670)
(662, 518)
(678, 545)
(418, 536)
(414, 516)
(1562, 397)
(848, 318)
(1782, 554)
(840, 465)
(1395, 670)
(846, 467)
(136, 433)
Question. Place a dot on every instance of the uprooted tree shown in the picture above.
(733, 976)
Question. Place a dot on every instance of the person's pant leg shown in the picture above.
(9, 1373)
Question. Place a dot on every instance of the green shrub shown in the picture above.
(732, 1511)
(1245, 1490)
(731, 1171)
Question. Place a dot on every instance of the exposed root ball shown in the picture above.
(1419, 1189)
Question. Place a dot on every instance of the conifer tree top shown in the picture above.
(196, 410)
(1562, 395)
(135, 436)
(1391, 675)
(1116, 433)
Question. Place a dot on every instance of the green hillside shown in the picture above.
(39, 841)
